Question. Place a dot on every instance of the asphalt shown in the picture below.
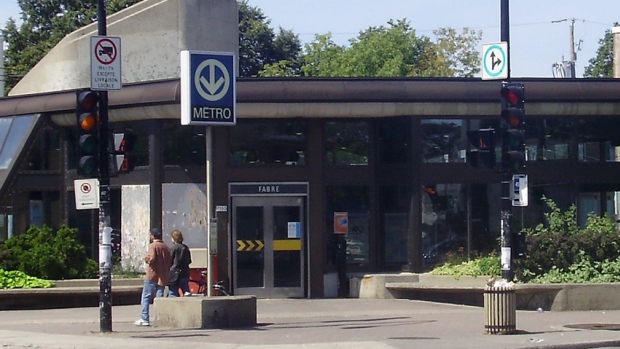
(316, 324)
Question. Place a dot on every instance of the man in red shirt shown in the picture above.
(158, 260)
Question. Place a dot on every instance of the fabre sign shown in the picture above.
(208, 93)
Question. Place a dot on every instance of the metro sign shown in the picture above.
(208, 95)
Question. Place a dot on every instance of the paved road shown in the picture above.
(317, 324)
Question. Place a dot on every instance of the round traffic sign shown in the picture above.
(105, 51)
(495, 61)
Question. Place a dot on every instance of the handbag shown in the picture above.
(173, 279)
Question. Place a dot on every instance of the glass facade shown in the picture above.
(444, 140)
(268, 142)
(347, 143)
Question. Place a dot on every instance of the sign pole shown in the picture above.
(506, 204)
(105, 229)
(208, 186)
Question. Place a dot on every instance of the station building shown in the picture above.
(388, 155)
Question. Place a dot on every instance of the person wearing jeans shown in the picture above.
(181, 259)
(158, 260)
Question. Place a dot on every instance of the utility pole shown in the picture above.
(105, 228)
(573, 55)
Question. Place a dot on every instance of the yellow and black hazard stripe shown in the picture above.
(250, 245)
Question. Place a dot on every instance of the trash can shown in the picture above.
(500, 310)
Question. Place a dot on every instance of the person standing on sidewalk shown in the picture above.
(158, 260)
(181, 259)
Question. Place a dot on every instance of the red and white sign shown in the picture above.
(341, 223)
(105, 63)
(86, 194)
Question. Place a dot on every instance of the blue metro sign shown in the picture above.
(208, 93)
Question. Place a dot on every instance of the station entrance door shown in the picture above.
(268, 234)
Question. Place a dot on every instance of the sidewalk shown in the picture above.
(317, 324)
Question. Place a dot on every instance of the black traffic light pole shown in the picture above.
(105, 227)
(506, 205)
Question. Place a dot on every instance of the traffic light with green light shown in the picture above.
(87, 133)
(513, 126)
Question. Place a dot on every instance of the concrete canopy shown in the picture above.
(152, 33)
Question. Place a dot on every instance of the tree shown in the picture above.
(43, 25)
(602, 66)
(389, 51)
(259, 46)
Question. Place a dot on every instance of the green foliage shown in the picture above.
(393, 51)
(557, 252)
(43, 24)
(17, 279)
(260, 47)
(44, 254)
(483, 266)
(121, 272)
(602, 66)
(562, 252)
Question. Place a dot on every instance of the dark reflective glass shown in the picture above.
(347, 143)
(444, 140)
(184, 145)
(268, 142)
(599, 140)
(394, 136)
(355, 201)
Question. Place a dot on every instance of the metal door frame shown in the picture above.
(271, 194)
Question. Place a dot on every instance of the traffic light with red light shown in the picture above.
(87, 133)
(121, 160)
(482, 153)
(513, 126)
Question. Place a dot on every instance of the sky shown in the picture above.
(540, 30)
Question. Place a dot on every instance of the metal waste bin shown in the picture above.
(500, 310)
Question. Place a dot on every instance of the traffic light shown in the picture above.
(482, 153)
(87, 132)
(513, 126)
(120, 159)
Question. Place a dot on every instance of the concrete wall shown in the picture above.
(616, 51)
(152, 33)
(135, 221)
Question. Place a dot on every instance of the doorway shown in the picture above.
(268, 243)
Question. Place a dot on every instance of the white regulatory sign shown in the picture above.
(495, 61)
(519, 191)
(86, 194)
(105, 63)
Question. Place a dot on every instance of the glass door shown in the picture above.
(268, 242)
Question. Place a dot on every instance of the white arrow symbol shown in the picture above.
(212, 86)
(208, 88)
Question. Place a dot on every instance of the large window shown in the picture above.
(12, 133)
(347, 143)
(354, 201)
(184, 145)
(394, 140)
(268, 142)
(394, 202)
(444, 140)
(549, 139)
(599, 140)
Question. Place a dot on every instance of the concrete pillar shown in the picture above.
(616, 47)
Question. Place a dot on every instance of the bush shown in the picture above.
(47, 255)
(18, 279)
(483, 266)
(562, 252)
